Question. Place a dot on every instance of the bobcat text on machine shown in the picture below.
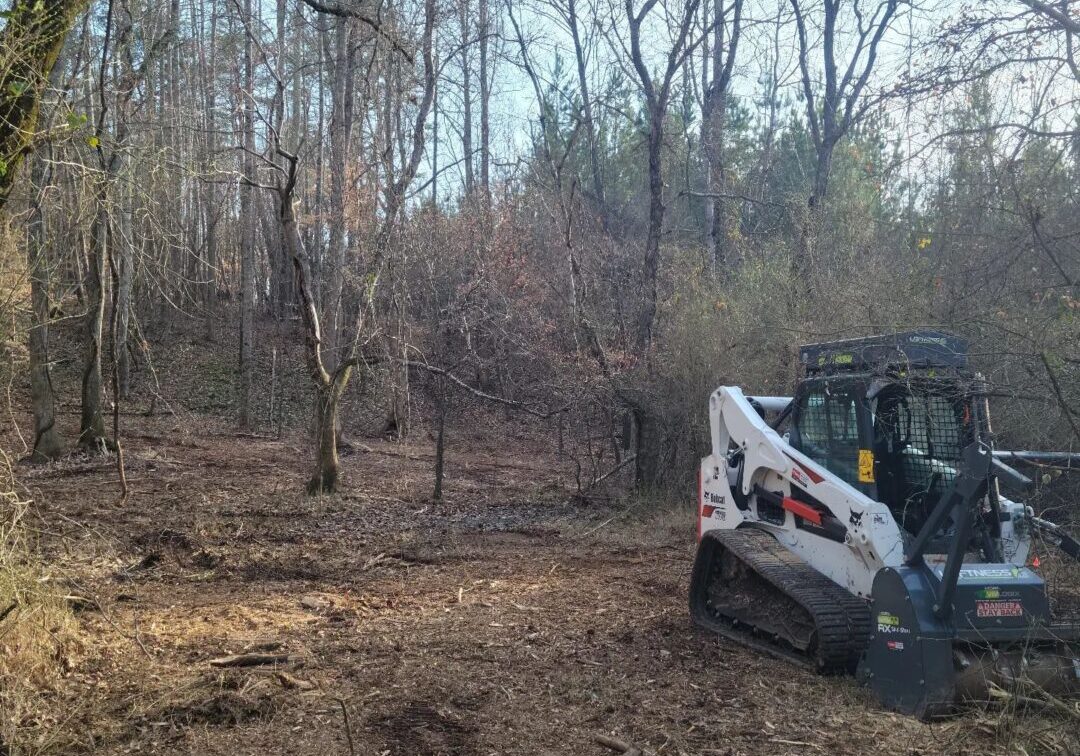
(872, 537)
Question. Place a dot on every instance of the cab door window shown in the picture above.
(828, 431)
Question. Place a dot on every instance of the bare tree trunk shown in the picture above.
(822, 169)
(317, 248)
(435, 152)
(328, 387)
(657, 94)
(124, 260)
(649, 451)
(247, 244)
(832, 109)
(706, 57)
(587, 112)
(105, 238)
(810, 225)
(280, 267)
(328, 465)
(121, 257)
(651, 265)
(465, 16)
(335, 250)
(48, 443)
(91, 420)
(718, 234)
(211, 208)
(440, 434)
(211, 211)
(485, 103)
(725, 45)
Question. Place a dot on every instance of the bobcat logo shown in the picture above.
(856, 519)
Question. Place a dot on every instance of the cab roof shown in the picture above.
(908, 350)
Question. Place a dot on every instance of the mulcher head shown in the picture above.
(924, 660)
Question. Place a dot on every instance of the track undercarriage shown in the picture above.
(749, 588)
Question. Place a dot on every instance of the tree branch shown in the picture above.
(1067, 23)
(374, 23)
(481, 394)
(1059, 394)
(804, 70)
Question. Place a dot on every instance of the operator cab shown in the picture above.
(890, 416)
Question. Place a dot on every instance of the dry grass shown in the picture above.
(38, 634)
(39, 637)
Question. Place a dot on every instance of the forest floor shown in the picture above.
(506, 619)
(499, 621)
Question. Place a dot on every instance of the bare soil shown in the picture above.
(503, 620)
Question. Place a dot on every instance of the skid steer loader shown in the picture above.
(863, 529)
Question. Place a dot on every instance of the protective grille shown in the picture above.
(919, 436)
(935, 433)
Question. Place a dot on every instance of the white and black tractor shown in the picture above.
(860, 527)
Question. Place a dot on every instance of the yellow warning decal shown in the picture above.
(866, 466)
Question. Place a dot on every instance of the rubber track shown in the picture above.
(841, 619)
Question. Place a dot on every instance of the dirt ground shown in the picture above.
(503, 620)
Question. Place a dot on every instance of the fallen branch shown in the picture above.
(1044, 701)
(249, 660)
(590, 531)
(96, 604)
(617, 745)
(135, 634)
(81, 603)
(373, 561)
(609, 473)
(294, 683)
(801, 743)
(742, 197)
(582, 491)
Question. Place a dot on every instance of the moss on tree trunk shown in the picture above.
(29, 45)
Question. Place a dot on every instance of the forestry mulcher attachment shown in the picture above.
(872, 537)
